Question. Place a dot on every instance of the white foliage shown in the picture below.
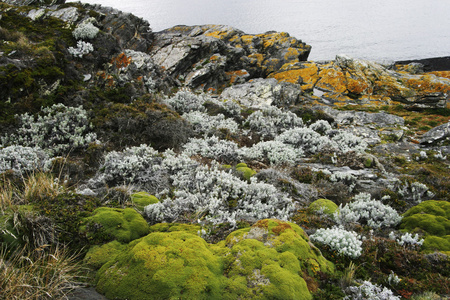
(212, 147)
(185, 101)
(217, 196)
(271, 121)
(85, 30)
(203, 123)
(21, 159)
(81, 49)
(367, 290)
(275, 152)
(58, 130)
(365, 210)
(306, 139)
(344, 242)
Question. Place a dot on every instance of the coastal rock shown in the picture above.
(34, 2)
(354, 81)
(261, 92)
(435, 135)
(362, 118)
(213, 56)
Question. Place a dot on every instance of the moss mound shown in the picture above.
(270, 260)
(327, 206)
(173, 265)
(245, 170)
(106, 224)
(432, 207)
(432, 219)
(142, 199)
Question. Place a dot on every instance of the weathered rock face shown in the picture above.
(349, 81)
(213, 56)
(436, 135)
(261, 92)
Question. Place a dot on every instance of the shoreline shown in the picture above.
(430, 64)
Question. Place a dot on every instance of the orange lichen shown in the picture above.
(234, 75)
(121, 61)
(292, 54)
(357, 87)
(428, 84)
(332, 80)
(445, 74)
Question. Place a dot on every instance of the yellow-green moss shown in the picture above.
(432, 207)
(173, 265)
(142, 199)
(327, 206)
(123, 225)
(266, 261)
(172, 227)
(97, 255)
(246, 171)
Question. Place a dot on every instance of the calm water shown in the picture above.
(381, 30)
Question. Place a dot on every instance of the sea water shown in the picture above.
(380, 30)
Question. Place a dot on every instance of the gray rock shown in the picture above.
(261, 92)
(362, 118)
(437, 134)
(69, 14)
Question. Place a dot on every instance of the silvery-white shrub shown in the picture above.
(306, 139)
(407, 239)
(140, 166)
(203, 123)
(212, 147)
(344, 242)
(274, 152)
(57, 130)
(321, 126)
(347, 142)
(271, 121)
(217, 196)
(367, 290)
(344, 177)
(364, 210)
(81, 49)
(85, 30)
(393, 279)
(414, 191)
(186, 101)
(21, 159)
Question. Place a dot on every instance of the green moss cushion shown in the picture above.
(325, 205)
(246, 171)
(432, 207)
(432, 219)
(142, 199)
(106, 224)
(171, 265)
(266, 261)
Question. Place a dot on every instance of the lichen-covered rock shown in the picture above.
(348, 81)
(212, 56)
(259, 93)
(436, 135)
(106, 224)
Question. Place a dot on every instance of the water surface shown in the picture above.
(381, 30)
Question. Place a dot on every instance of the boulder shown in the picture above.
(261, 92)
(213, 56)
(437, 134)
(355, 81)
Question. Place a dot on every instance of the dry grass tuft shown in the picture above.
(41, 186)
(38, 274)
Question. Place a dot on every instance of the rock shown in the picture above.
(261, 92)
(354, 81)
(437, 134)
(362, 118)
(213, 56)
(85, 294)
(34, 2)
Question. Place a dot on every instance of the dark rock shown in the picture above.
(430, 64)
(34, 2)
(436, 135)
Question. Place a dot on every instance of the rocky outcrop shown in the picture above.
(436, 135)
(213, 56)
(354, 81)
